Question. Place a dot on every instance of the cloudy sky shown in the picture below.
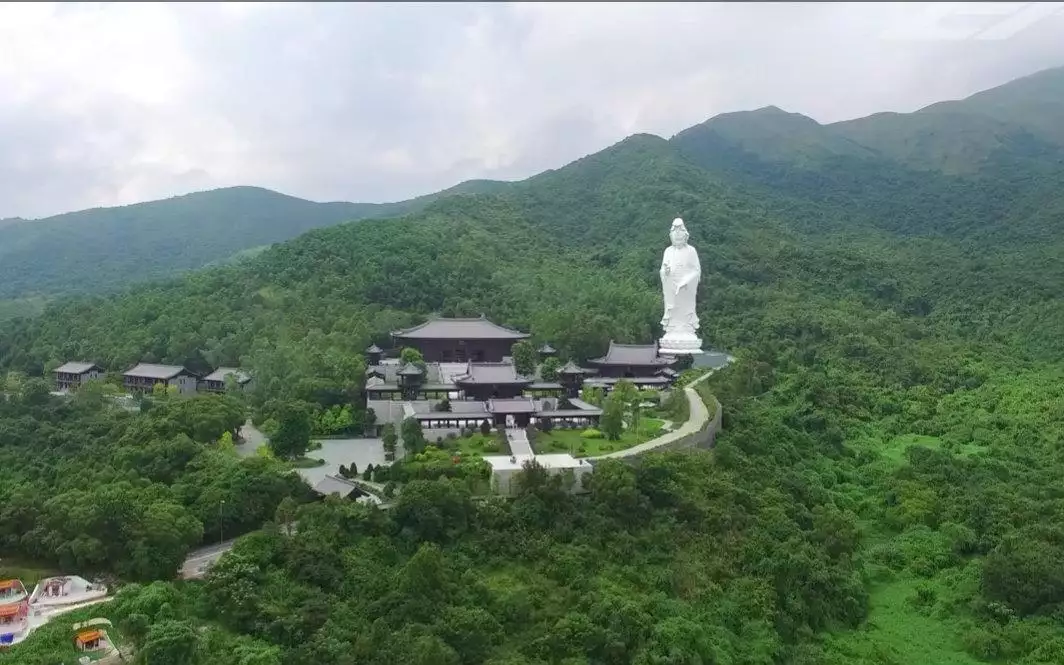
(105, 104)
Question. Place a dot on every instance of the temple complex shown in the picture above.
(468, 378)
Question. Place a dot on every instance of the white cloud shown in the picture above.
(111, 103)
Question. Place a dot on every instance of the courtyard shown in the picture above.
(572, 442)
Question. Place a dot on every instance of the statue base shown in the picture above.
(679, 344)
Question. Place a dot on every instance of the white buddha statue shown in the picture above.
(680, 272)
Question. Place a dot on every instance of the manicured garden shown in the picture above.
(589, 442)
(477, 443)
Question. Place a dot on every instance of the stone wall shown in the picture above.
(689, 435)
(703, 438)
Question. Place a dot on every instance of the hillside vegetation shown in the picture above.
(105, 248)
(885, 491)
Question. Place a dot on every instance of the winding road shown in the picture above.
(698, 417)
(199, 561)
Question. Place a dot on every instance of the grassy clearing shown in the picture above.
(901, 632)
(307, 463)
(894, 450)
(477, 445)
(570, 441)
(26, 571)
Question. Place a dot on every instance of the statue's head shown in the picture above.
(678, 233)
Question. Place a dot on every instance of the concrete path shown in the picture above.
(518, 440)
(699, 416)
(199, 561)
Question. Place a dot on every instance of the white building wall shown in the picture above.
(186, 385)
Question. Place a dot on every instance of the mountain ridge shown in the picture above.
(876, 158)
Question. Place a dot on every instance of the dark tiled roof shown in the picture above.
(572, 369)
(571, 413)
(410, 369)
(545, 385)
(162, 372)
(335, 485)
(374, 349)
(631, 354)
(657, 380)
(547, 348)
(467, 406)
(460, 409)
(77, 368)
(516, 405)
(479, 328)
(491, 374)
(222, 372)
(581, 405)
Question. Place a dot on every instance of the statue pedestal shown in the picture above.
(679, 344)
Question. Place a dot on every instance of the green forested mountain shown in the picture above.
(886, 490)
(104, 248)
(959, 168)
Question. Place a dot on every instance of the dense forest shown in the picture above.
(886, 490)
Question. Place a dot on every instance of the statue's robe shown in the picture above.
(680, 272)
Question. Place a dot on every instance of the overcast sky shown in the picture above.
(105, 104)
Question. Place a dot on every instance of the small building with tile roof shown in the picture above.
(489, 380)
(215, 381)
(72, 375)
(144, 377)
(631, 360)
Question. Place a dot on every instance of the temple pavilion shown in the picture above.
(459, 340)
(639, 363)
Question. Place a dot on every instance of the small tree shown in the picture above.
(485, 428)
(409, 356)
(525, 357)
(226, 444)
(390, 440)
(352, 471)
(548, 371)
(369, 421)
(625, 391)
(368, 474)
(612, 422)
(413, 436)
(593, 395)
(292, 439)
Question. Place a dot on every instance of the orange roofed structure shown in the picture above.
(11, 590)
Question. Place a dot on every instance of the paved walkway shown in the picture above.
(199, 561)
(697, 420)
(518, 440)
